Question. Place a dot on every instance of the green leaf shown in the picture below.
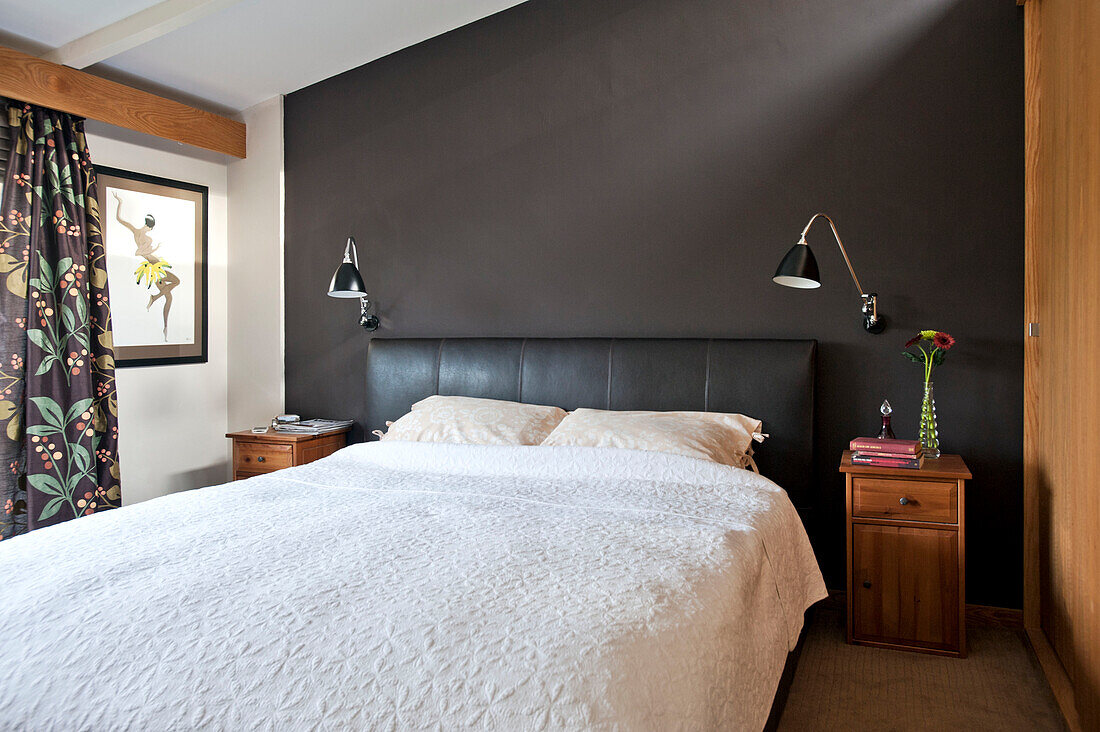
(67, 192)
(937, 358)
(42, 430)
(81, 310)
(77, 408)
(73, 482)
(50, 410)
(81, 458)
(63, 266)
(46, 365)
(46, 271)
(47, 484)
(912, 357)
(51, 508)
(8, 262)
(17, 282)
(15, 425)
(41, 339)
(68, 318)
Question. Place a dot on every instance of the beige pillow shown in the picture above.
(470, 421)
(721, 438)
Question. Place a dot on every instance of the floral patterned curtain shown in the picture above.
(58, 410)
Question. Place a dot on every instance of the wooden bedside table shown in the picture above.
(255, 453)
(906, 555)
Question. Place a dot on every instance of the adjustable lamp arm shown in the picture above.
(872, 321)
(351, 255)
(843, 251)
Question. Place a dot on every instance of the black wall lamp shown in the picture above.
(348, 283)
(799, 269)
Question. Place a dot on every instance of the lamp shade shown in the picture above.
(798, 269)
(347, 282)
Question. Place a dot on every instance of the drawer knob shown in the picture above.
(867, 584)
(903, 500)
(261, 459)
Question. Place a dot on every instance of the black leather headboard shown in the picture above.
(771, 380)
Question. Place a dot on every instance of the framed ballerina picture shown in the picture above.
(154, 231)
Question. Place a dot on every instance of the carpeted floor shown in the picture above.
(997, 687)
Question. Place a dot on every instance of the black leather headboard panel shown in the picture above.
(772, 380)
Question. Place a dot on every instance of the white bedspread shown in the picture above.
(408, 586)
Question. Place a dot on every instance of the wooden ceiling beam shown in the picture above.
(31, 79)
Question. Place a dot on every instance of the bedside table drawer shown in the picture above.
(259, 457)
(258, 453)
(913, 500)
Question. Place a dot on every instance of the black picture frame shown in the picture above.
(164, 354)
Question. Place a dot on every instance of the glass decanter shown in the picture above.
(887, 432)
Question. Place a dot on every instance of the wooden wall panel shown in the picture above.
(1062, 364)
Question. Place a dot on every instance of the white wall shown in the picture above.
(256, 268)
(172, 419)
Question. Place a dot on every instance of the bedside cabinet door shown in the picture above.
(905, 585)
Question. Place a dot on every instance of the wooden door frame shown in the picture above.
(1036, 188)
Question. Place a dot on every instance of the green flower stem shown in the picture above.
(927, 362)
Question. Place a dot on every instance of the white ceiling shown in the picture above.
(252, 50)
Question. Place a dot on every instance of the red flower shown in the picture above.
(913, 340)
(943, 341)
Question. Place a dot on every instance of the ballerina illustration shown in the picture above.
(155, 271)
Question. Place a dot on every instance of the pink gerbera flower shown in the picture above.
(943, 341)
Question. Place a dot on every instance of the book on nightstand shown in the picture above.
(876, 445)
(886, 453)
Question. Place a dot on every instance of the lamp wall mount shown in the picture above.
(367, 319)
(872, 321)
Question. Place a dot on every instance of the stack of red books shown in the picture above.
(886, 453)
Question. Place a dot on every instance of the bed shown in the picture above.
(404, 585)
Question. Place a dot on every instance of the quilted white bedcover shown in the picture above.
(408, 586)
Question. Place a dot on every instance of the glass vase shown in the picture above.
(929, 434)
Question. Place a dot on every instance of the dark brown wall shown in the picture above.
(633, 168)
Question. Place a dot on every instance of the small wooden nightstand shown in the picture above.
(255, 453)
(906, 555)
